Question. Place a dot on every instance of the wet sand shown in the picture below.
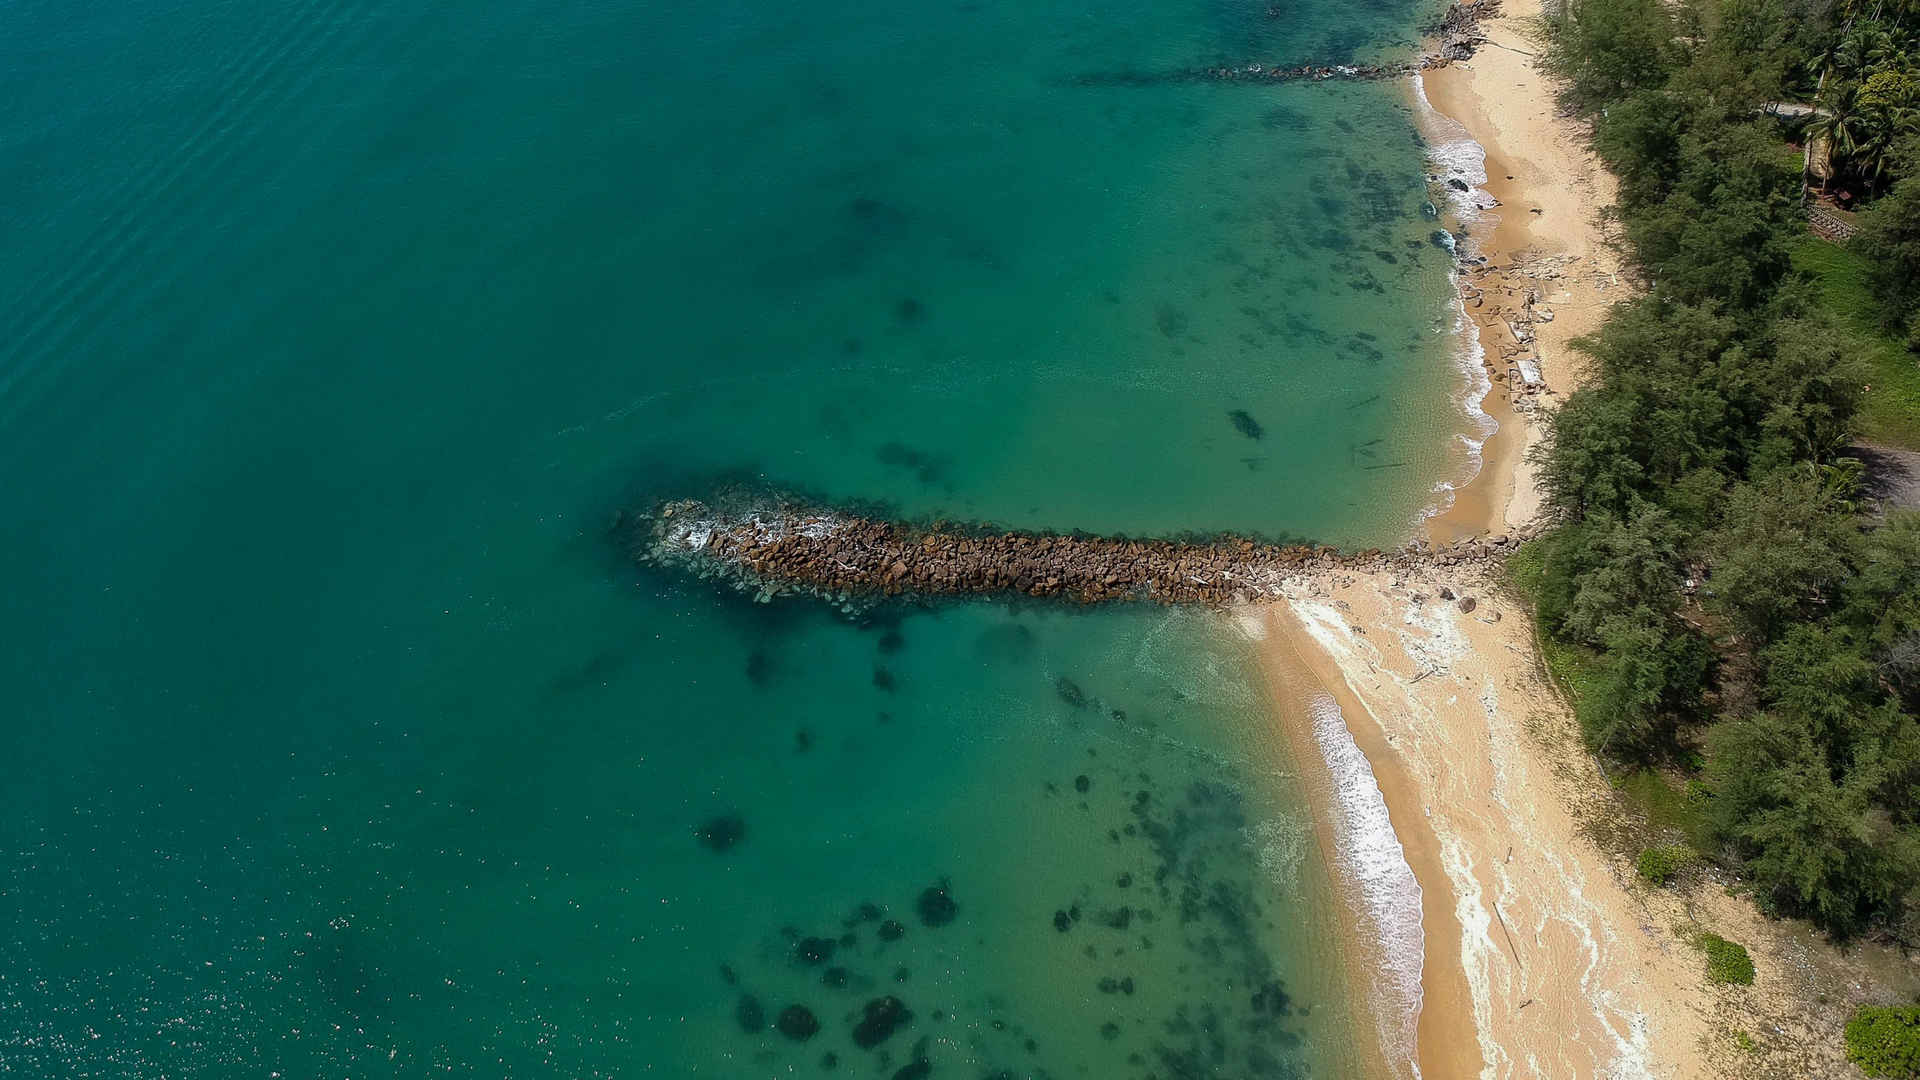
(1545, 235)
(1296, 671)
(1544, 954)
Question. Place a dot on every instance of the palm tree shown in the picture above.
(1843, 125)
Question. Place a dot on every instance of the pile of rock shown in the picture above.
(793, 548)
(1458, 30)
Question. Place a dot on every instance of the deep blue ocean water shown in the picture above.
(344, 740)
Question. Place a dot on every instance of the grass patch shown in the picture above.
(1669, 807)
(1573, 668)
(1660, 865)
(1891, 412)
(1727, 961)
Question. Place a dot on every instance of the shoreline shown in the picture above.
(1295, 673)
(1543, 953)
(1535, 273)
(1539, 268)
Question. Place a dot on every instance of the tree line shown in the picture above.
(1745, 622)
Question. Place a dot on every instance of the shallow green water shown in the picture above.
(345, 741)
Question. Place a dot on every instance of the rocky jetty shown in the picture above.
(1456, 37)
(782, 548)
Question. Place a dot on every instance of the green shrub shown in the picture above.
(1727, 961)
(1885, 1041)
(1660, 865)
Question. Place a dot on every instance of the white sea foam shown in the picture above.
(1454, 155)
(1371, 854)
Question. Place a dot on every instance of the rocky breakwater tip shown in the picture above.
(791, 548)
(1455, 36)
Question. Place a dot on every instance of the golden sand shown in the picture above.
(1545, 956)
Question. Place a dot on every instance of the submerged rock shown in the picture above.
(1070, 692)
(880, 1018)
(892, 930)
(814, 951)
(1062, 921)
(749, 1014)
(721, 833)
(1245, 424)
(798, 1023)
(1272, 1000)
(936, 905)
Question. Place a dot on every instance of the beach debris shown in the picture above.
(1467, 604)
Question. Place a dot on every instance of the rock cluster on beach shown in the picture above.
(1508, 301)
(794, 548)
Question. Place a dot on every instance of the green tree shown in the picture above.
(1780, 553)
(1814, 846)
(1889, 236)
(1607, 49)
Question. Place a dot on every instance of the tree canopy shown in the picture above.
(1709, 550)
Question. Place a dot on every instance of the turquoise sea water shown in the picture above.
(343, 740)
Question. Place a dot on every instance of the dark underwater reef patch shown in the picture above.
(722, 832)
(1178, 915)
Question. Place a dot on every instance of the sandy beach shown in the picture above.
(1551, 270)
(1544, 955)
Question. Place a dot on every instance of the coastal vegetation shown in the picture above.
(1712, 591)
(1727, 961)
(1885, 1041)
(1661, 864)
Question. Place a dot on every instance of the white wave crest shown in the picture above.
(1455, 156)
(1370, 851)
